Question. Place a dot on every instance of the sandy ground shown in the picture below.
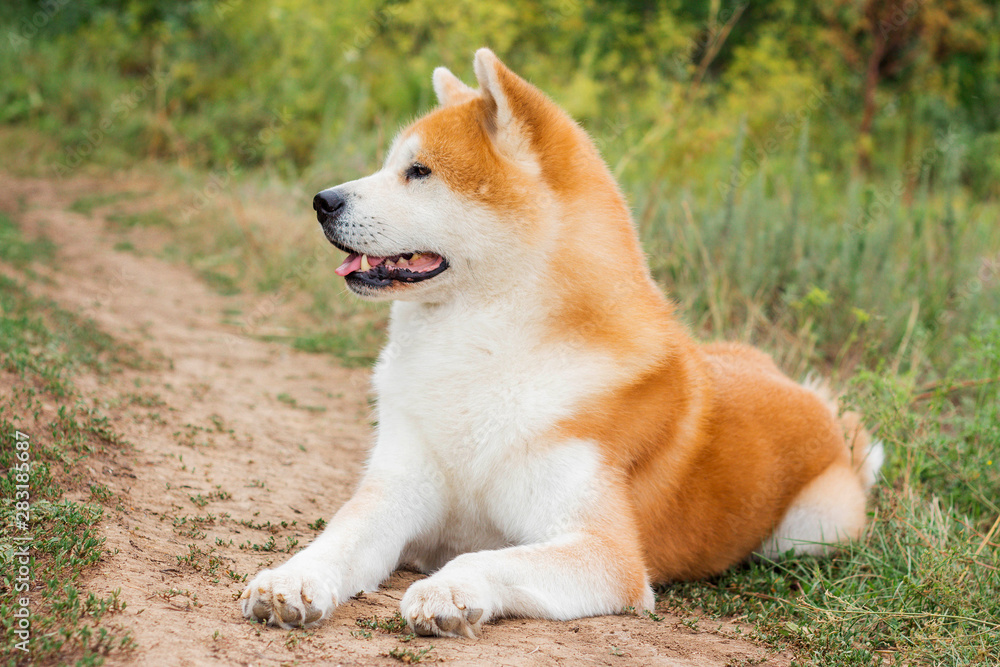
(221, 464)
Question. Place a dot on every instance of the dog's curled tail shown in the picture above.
(867, 453)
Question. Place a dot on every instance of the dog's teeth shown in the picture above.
(415, 257)
(364, 263)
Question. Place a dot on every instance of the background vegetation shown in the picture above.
(819, 178)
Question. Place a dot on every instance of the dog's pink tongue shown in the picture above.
(350, 265)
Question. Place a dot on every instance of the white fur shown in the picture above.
(459, 467)
(449, 87)
(874, 458)
(830, 509)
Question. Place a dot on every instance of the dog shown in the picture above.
(551, 441)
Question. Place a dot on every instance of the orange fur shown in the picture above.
(456, 146)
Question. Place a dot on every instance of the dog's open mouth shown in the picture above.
(410, 267)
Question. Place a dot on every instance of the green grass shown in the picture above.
(796, 260)
(125, 221)
(43, 347)
(19, 252)
(394, 624)
(353, 347)
(411, 656)
(291, 401)
(222, 283)
(88, 203)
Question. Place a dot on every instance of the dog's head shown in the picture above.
(471, 196)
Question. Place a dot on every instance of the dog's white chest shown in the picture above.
(482, 404)
(471, 386)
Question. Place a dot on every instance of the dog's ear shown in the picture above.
(449, 88)
(519, 117)
(501, 89)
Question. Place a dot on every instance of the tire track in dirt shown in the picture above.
(217, 455)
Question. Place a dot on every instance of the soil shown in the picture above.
(236, 440)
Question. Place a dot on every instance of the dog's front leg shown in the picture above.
(597, 570)
(396, 501)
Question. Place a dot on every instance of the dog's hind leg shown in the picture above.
(828, 510)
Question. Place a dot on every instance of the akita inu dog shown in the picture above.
(551, 440)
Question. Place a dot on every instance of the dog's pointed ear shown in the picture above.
(517, 114)
(449, 88)
(499, 88)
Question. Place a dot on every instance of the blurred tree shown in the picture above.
(885, 40)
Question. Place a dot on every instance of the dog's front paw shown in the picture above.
(288, 596)
(436, 607)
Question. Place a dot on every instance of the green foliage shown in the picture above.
(392, 625)
(854, 269)
(732, 127)
(293, 85)
(15, 250)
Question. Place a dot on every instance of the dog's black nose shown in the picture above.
(328, 205)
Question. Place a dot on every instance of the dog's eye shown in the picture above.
(417, 170)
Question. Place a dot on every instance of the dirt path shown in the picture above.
(239, 445)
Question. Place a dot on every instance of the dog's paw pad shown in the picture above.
(432, 608)
(287, 598)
